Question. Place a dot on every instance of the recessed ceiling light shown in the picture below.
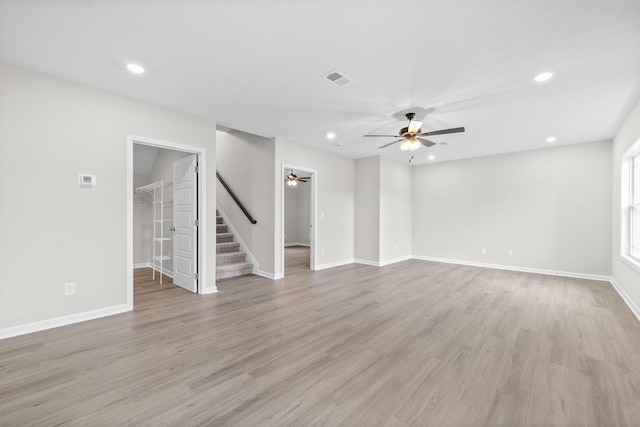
(331, 135)
(135, 68)
(431, 157)
(551, 139)
(544, 77)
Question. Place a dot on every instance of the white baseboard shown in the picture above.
(515, 268)
(367, 262)
(394, 260)
(382, 263)
(286, 245)
(56, 322)
(268, 275)
(142, 265)
(627, 300)
(210, 290)
(334, 264)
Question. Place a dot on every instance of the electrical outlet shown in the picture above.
(483, 251)
(397, 247)
(509, 252)
(69, 289)
(322, 251)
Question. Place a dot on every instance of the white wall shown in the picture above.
(51, 130)
(246, 163)
(367, 210)
(626, 276)
(383, 211)
(335, 199)
(549, 206)
(395, 210)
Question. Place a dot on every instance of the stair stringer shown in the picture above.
(243, 247)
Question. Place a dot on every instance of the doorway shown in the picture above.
(299, 187)
(153, 240)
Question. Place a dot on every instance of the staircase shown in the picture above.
(230, 261)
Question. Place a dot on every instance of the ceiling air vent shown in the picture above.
(337, 78)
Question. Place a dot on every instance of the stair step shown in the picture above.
(230, 257)
(219, 220)
(221, 228)
(224, 237)
(234, 269)
(223, 247)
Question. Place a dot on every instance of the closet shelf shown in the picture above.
(160, 196)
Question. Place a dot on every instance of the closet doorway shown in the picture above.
(165, 214)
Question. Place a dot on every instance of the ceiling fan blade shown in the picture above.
(414, 126)
(386, 136)
(392, 142)
(304, 177)
(426, 142)
(442, 132)
(301, 180)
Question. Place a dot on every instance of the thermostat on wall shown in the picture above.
(85, 180)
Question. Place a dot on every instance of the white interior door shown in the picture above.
(185, 244)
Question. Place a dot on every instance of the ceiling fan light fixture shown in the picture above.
(410, 145)
(292, 183)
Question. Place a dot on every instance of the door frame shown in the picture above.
(201, 154)
(313, 196)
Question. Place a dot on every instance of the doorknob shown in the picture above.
(172, 228)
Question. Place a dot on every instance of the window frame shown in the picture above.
(634, 205)
(630, 195)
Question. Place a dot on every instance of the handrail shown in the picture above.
(235, 199)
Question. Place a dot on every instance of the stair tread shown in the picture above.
(235, 266)
(228, 243)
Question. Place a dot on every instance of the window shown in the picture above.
(630, 224)
(634, 206)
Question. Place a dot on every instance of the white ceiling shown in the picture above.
(258, 66)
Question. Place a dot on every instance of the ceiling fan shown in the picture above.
(411, 136)
(292, 179)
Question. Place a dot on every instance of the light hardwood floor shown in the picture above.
(414, 343)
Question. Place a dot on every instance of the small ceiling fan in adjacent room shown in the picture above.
(292, 179)
(411, 137)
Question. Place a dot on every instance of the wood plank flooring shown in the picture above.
(411, 344)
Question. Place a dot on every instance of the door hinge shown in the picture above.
(197, 276)
(197, 223)
(197, 169)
